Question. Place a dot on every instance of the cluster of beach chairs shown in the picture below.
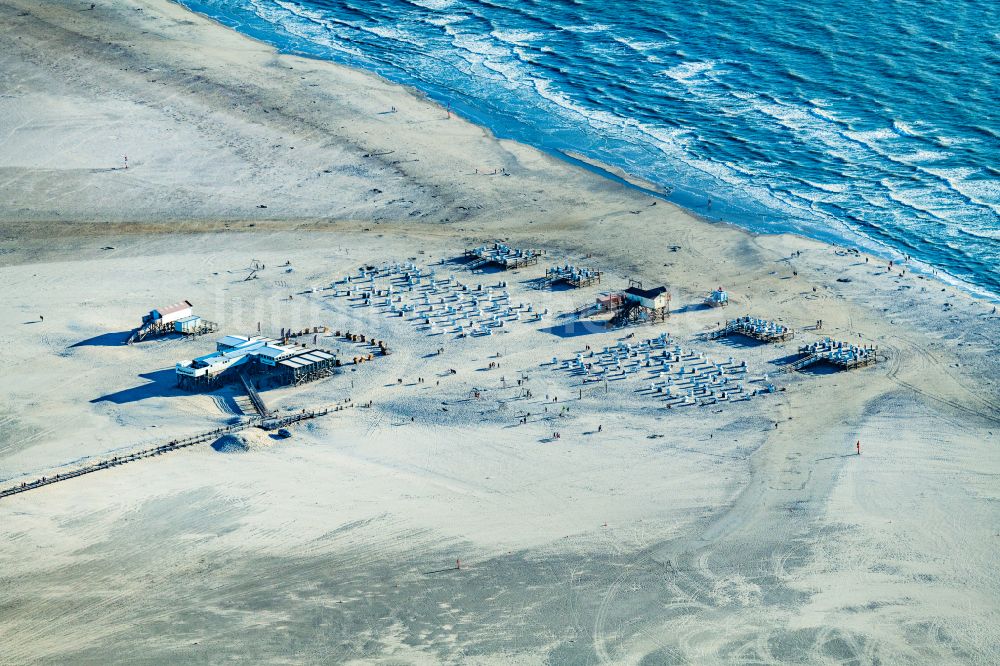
(842, 354)
(436, 305)
(573, 275)
(753, 327)
(671, 373)
(502, 255)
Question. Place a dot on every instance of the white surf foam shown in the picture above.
(686, 71)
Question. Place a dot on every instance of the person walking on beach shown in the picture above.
(858, 445)
(126, 160)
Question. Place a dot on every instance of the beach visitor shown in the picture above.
(858, 445)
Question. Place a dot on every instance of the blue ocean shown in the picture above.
(867, 122)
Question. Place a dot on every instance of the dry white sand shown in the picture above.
(696, 535)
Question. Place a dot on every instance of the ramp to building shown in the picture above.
(139, 333)
(803, 362)
(255, 399)
(730, 327)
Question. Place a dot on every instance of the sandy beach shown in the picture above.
(748, 531)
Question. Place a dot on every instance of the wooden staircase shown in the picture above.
(139, 333)
(626, 315)
(255, 399)
(802, 362)
(478, 263)
(721, 332)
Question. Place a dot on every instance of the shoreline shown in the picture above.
(844, 236)
(853, 241)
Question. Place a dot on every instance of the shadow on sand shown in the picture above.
(539, 283)
(573, 329)
(785, 360)
(116, 339)
(819, 368)
(738, 341)
(460, 260)
(690, 307)
(490, 269)
(161, 384)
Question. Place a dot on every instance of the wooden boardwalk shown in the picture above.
(173, 445)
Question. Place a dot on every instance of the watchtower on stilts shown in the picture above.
(641, 306)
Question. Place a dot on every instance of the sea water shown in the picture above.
(871, 122)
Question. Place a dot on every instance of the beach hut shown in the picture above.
(187, 325)
(652, 299)
(160, 321)
(609, 302)
(717, 298)
(170, 313)
(638, 305)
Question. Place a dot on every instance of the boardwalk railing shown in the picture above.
(802, 362)
(139, 333)
(173, 445)
(730, 327)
